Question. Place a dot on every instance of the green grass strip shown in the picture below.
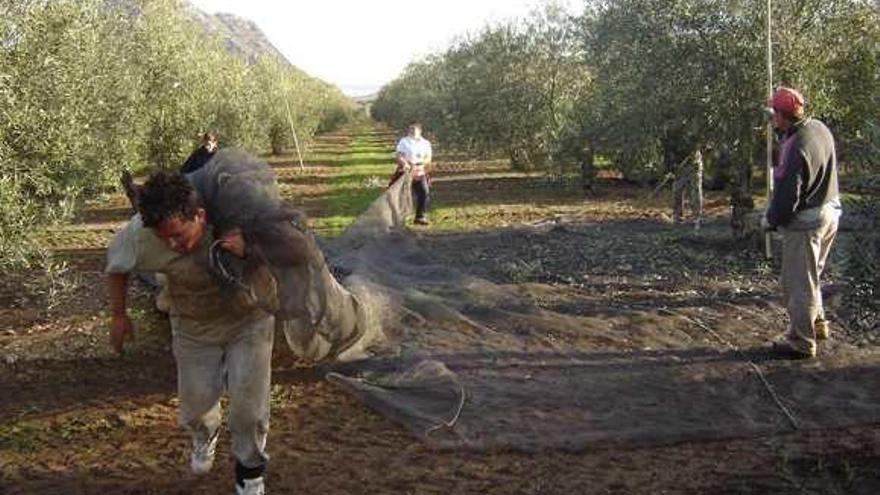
(360, 177)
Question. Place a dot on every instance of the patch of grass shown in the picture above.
(450, 218)
(29, 436)
(23, 436)
(521, 271)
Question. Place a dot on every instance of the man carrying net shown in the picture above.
(238, 264)
(220, 340)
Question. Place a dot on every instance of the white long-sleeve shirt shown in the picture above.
(416, 151)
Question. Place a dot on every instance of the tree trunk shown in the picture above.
(741, 201)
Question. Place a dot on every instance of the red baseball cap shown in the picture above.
(786, 100)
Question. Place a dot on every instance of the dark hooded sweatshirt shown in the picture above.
(805, 176)
(196, 160)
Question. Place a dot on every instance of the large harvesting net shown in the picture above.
(462, 361)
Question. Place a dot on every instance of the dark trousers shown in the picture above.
(421, 193)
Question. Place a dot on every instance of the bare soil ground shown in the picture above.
(76, 418)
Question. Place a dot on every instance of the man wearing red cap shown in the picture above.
(805, 207)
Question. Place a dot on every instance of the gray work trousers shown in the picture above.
(237, 358)
(804, 254)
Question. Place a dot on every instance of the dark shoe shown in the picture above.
(253, 486)
(421, 221)
(249, 481)
(784, 350)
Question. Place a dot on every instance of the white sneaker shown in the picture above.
(252, 486)
(202, 458)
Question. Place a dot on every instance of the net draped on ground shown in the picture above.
(462, 361)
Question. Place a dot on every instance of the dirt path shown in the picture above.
(77, 419)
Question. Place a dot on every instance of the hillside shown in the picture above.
(242, 36)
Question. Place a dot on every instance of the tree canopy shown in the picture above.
(645, 81)
(90, 87)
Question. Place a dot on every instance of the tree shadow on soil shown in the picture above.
(47, 386)
(104, 215)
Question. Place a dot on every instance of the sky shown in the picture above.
(359, 45)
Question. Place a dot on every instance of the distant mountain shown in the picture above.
(242, 36)
(365, 99)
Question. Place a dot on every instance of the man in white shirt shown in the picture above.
(414, 152)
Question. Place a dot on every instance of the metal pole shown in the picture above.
(293, 131)
(768, 251)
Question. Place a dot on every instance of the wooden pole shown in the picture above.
(768, 248)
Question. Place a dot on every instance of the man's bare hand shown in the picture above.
(233, 241)
(121, 329)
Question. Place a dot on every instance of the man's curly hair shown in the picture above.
(167, 195)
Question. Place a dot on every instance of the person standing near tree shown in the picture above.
(688, 186)
(414, 153)
(806, 208)
(221, 340)
(196, 160)
(202, 155)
